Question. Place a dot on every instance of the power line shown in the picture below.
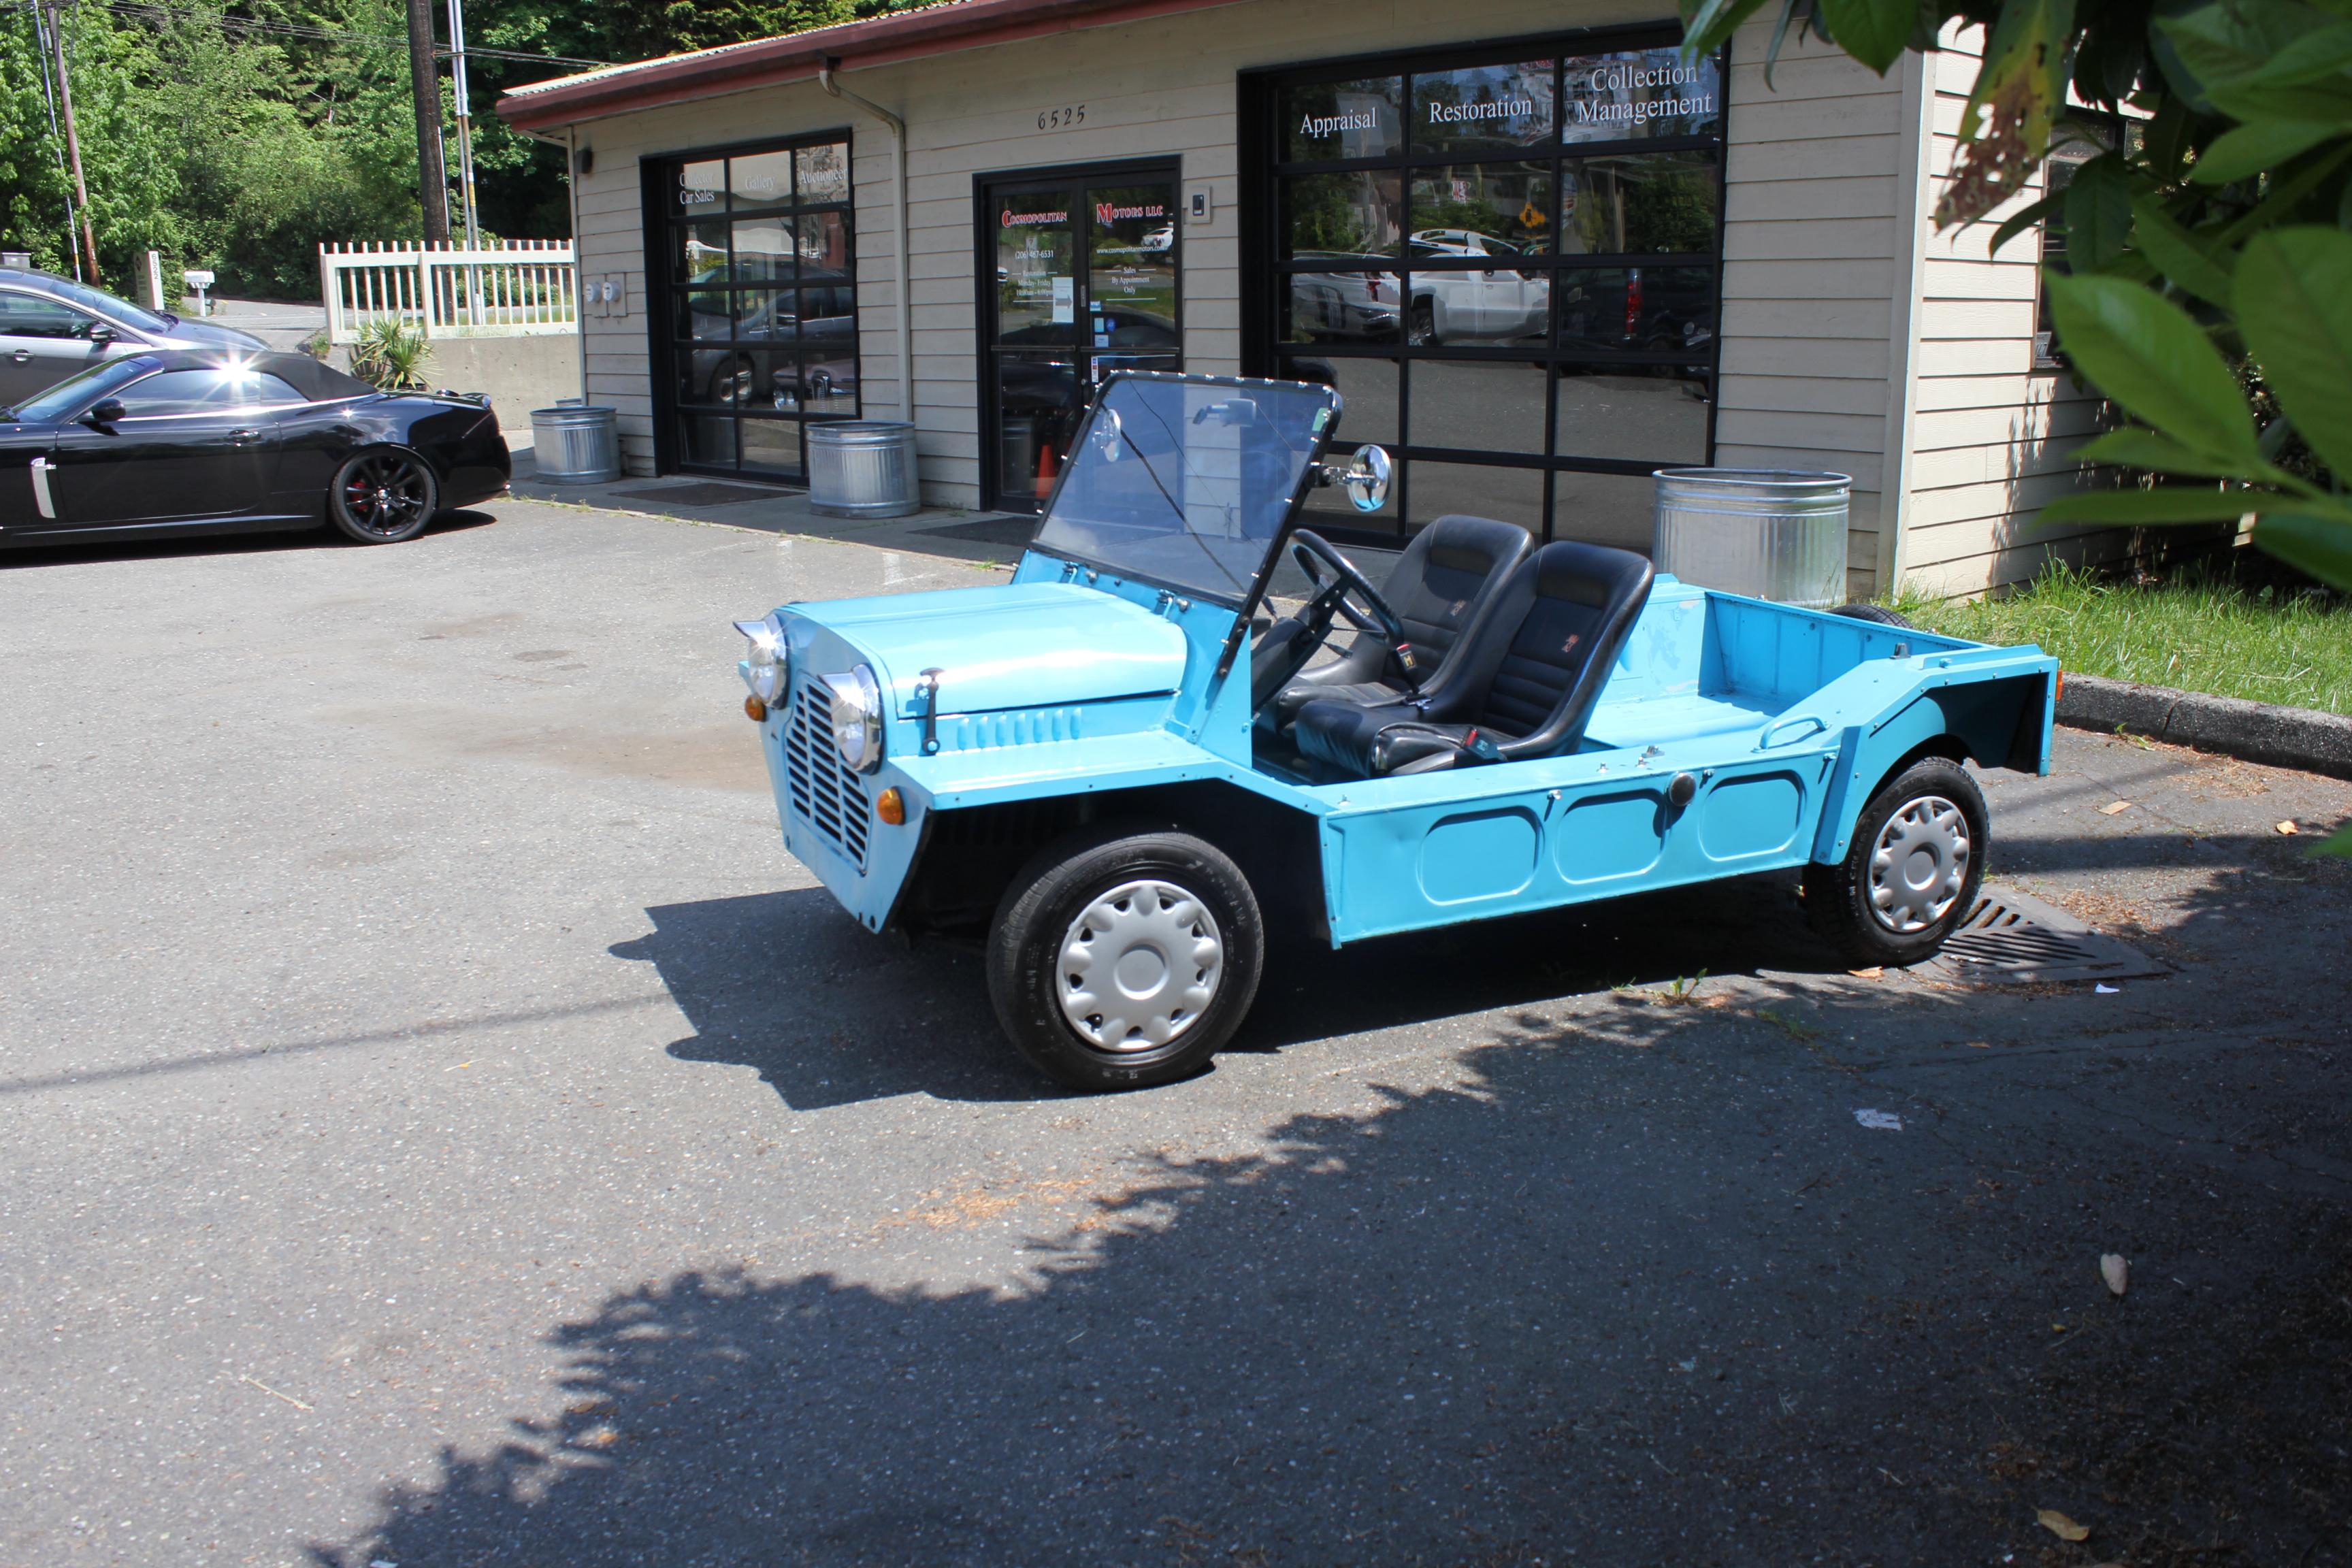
(148, 11)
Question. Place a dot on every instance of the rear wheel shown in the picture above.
(383, 496)
(1121, 959)
(1422, 329)
(1911, 875)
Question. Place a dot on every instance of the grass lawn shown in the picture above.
(2196, 632)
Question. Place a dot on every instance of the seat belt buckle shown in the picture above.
(1476, 743)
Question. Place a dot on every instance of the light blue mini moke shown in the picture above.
(1121, 767)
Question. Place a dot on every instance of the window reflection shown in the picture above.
(1360, 214)
(1640, 202)
(1508, 206)
(760, 180)
(1335, 119)
(1641, 412)
(1638, 308)
(1343, 307)
(702, 186)
(823, 172)
(1490, 405)
(1368, 389)
(1510, 495)
(1483, 108)
(1617, 509)
(1641, 92)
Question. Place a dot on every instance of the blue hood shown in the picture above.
(1030, 644)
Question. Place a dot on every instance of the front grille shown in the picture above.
(825, 794)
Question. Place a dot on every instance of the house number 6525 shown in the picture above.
(1062, 119)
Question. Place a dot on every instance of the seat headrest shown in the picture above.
(1466, 543)
(1590, 574)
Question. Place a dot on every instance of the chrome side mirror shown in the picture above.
(1107, 434)
(1367, 477)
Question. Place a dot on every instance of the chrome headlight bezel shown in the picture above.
(855, 718)
(767, 668)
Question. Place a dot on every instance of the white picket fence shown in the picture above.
(522, 288)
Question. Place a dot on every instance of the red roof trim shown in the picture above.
(797, 57)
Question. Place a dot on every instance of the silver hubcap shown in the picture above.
(1919, 864)
(1140, 966)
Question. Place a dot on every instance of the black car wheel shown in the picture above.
(382, 496)
(1121, 959)
(1911, 875)
(1422, 328)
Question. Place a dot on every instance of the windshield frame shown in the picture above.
(144, 364)
(1262, 573)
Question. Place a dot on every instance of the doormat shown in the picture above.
(1013, 531)
(709, 494)
(2013, 939)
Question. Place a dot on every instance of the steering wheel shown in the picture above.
(1286, 650)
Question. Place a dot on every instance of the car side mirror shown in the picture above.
(1367, 477)
(100, 332)
(104, 412)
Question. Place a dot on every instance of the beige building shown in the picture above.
(1539, 253)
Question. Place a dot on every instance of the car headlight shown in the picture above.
(767, 666)
(856, 718)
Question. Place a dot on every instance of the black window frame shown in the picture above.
(664, 294)
(1264, 273)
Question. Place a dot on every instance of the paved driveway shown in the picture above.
(444, 1127)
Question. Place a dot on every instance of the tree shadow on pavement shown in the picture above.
(1641, 1288)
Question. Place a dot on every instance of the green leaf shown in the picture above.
(2145, 352)
(2226, 43)
(2136, 449)
(2025, 217)
(2294, 299)
(2098, 214)
(1871, 31)
(2167, 503)
(2339, 844)
(2249, 149)
(2315, 57)
(1709, 26)
(2321, 545)
(2177, 254)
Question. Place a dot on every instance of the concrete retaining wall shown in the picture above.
(519, 374)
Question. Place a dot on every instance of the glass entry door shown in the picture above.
(1086, 282)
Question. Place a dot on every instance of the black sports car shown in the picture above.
(227, 441)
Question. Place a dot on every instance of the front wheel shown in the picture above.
(1911, 875)
(1121, 959)
(383, 496)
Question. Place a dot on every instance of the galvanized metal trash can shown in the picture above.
(861, 467)
(1769, 534)
(574, 444)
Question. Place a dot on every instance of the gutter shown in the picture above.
(824, 77)
(1911, 203)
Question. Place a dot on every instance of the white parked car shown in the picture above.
(1476, 303)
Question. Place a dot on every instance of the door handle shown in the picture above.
(20, 356)
(239, 437)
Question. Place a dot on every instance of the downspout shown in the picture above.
(1912, 202)
(571, 145)
(824, 77)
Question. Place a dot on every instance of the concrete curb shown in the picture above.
(2285, 737)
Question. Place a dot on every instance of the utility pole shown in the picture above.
(56, 135)
(73, 144)
(432, 176)
(464, 122)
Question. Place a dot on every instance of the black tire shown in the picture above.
(382, 496)
(1420, 326)
(1028, 978)
(1843, 902)
(1883, 616)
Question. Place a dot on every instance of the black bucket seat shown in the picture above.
(1526, 678)
(1442, 588)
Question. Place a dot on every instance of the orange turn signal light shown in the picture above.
(755, 709)
(891, 808)
(2061, 685)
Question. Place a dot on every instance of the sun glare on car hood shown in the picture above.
(1033, 644)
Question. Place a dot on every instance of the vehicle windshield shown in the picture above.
(1186, 480)
(121, 310)
(78, 392)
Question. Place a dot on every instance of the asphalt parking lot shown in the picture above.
(444, 1127)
